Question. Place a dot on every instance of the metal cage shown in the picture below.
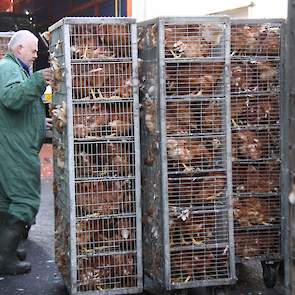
(97, 155)
(186, 146)
(4, 39)
(258, 113)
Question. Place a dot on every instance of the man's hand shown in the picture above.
(48, 75)
(48, 123)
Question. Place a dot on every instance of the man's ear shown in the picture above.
(19, 49)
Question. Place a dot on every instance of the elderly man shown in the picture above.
(22, 129)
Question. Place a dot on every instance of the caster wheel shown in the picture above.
(269, 273)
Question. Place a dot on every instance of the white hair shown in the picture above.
(19, 38)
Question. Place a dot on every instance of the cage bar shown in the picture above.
(96, 150)
(186, 168)
(4, 39)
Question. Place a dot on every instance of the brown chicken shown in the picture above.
(242, 76)
(212, 187)
(268, 71)
(212, 118)
(102, 81)
(191, 41)
(90, 120)
(194, 230)
(257, 242)
(253, 180)
(86, 79)
(120, 159)
(179, 117)
(245, 39)
(193, 79)
(270, 41)
(247, 245)
(248, 144)
(254, 110)
(255, 40)
(264, 111)
(94, 273)
(188, 152)
(198, 265)
(252, 211)
(121, 119)
(117, 37)
(99, 198)
(196, 191)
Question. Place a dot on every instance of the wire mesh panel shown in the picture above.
(96, 149)
(187, 214)
(256, 108)
(4, 39)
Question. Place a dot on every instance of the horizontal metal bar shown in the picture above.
(196, 19)
(205, 246)
(106, 139)
(100, 254)
(204, 283)
(255, 94)
(195, 60)
(206, 135)
(255, 227)
(270, 194)
(6, 34)
(193, 98)
(184, 20)
(101, 100)
(259, 21)
(91, 20)
(257, 127)
(201, 171)
(103, 141)
(262, 160)
(107, 60)
(235, 58)
(106, 217)
(105, 178)
(117, 291)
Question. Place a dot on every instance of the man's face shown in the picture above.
(28, 52)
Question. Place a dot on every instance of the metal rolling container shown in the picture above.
(259, 117)
(97, 155)
(186, 153)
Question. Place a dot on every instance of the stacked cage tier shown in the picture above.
(96, 151)
(256, 108)
(4, 39)
(186, 163)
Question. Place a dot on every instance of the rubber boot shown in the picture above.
(21, 253)
(11, 233)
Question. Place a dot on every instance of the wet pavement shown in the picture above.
(45, 278)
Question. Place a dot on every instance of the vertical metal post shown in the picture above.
(70, 157)
(227, 76)
(290, 96)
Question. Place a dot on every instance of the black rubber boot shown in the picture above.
(11, 232)
(21, 253)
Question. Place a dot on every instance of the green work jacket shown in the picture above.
(22, 130)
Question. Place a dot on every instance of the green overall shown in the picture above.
(22, 130)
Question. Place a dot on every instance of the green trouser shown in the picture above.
(20, 184)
